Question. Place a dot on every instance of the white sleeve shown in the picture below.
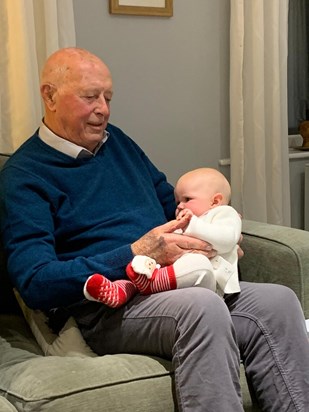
(221, 228)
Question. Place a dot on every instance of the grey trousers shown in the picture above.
(205, 338)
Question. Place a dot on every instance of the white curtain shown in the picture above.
(258, 110)
(30, 30)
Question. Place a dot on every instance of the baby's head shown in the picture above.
(202, 189)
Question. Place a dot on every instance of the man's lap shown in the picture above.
(148, 324)
(149, 319)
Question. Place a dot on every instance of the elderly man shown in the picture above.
(80, 197)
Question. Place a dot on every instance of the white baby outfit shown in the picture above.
(221, 227)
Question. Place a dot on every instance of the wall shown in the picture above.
(170, 78)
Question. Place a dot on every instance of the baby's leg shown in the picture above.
(194, 269)
(189, 270)
(162, 279)
(113, 294)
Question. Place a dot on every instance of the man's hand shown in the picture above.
(166, 247)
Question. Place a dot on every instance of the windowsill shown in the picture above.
(294, 153)
(298, 154)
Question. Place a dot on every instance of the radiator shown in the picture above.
(306, 205)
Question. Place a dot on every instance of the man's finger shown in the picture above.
(173, 225)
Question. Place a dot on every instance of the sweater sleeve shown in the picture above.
(221, 227)
(28, 232)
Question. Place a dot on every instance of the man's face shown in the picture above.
(82, 105)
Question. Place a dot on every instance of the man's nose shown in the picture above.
(102, 106)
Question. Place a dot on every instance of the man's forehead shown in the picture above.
(88, 80)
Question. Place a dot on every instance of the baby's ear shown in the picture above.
(217, 199)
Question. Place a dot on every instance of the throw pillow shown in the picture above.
(69, 341)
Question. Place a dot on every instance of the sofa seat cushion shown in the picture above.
(33, 382)
(51, 383)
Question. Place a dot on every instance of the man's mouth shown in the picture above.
(96, 125)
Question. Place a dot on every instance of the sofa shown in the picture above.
(56, 378)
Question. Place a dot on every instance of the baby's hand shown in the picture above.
(183, 217)
(184, 214)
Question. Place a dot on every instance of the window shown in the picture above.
(298, 64)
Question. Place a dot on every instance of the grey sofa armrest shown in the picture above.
(277, 254)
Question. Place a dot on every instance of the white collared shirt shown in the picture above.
(65, 146)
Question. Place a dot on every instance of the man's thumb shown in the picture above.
(173, 225)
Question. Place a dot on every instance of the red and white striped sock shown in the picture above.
(162, 279)
(113, 294)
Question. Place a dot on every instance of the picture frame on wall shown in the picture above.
(163, 8)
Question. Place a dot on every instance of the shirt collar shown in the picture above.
(65, 146)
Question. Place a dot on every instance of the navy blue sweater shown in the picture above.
(63, 219)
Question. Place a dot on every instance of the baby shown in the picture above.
(202, 197)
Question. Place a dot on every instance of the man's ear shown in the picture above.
(217, 200)
(48, 94)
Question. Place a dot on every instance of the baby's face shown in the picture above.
(201, 190)
(190, 195)
(196, 205)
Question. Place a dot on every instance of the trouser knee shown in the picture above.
(277, 299)
(205, 309)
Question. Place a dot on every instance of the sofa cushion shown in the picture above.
(6, 406)
(8, 302)
(17, 333)
(115, 383)
(276, 254)
(69, 341)
(107, 383)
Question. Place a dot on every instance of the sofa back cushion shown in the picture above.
(8, 303)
